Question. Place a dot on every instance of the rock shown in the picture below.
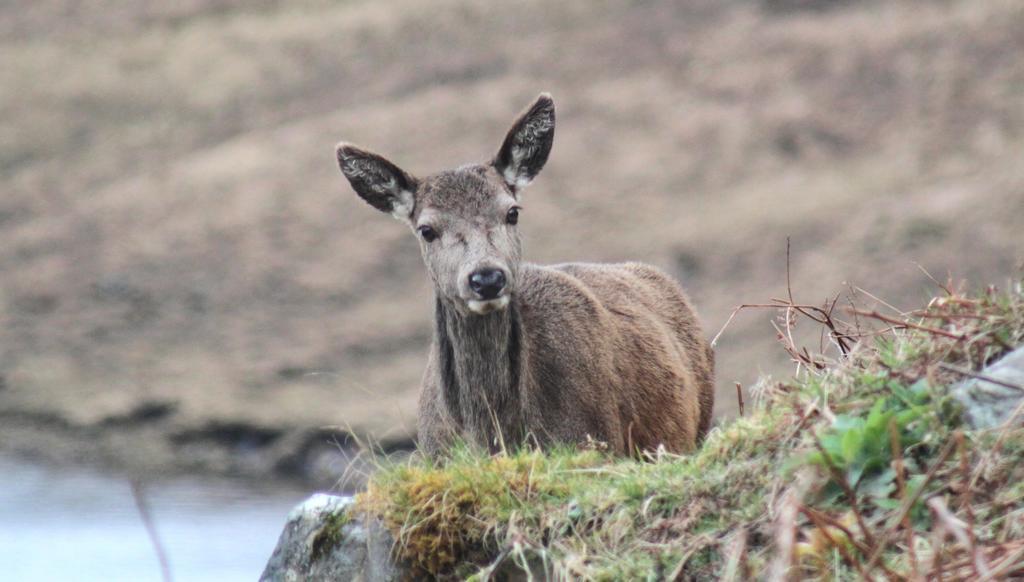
(987, 404)
(324, 539)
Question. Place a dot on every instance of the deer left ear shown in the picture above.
(527, 144)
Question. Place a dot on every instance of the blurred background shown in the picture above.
(191, 290)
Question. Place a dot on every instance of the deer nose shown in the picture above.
(487, 283)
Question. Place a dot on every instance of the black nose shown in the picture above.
(487, 283)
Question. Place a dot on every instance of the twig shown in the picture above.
(779, 304)
(826, 315)
(961, 300)
(874, 333)
(887, 319)
(901, 484)
(945, 288)
(147, 521)
(739, 397)
(966, 492)
(999, 340)
(1007, 566)
(954, 526)
(878, 299)
(790, 321)
(908, 504)
(823, 528)
(831, 521)
(714, 340)
(807, 311)
(488, 572)
(841, 527)
(811, 408)
(988, 379)
(788, 344)
(938, 544)
(827, 321)
(701, 541)
(929, 315)
(847, 489)
(789, 287)
(736, 558)
(785, 530)
(965, 476)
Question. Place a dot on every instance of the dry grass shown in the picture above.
(859, 467)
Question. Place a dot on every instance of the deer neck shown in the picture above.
(480, 363)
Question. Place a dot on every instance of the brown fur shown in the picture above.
(613, 353)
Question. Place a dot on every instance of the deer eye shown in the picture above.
(513, 215)
(428, 233)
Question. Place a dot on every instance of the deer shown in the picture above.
(581, 354)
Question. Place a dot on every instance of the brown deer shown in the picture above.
(566, 353)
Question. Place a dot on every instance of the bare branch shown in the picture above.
(147, 520)
(958, 530)
(978, 376)
(887, 319)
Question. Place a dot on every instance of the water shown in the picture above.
(80, 525)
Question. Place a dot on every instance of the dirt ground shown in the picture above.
(189, 284)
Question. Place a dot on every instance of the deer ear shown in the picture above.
(382, 184)
(527, 144)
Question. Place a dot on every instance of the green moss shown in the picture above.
(330, 534)
(586, 502)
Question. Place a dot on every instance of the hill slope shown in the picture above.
(186, 272)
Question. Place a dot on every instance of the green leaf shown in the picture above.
(908, 416)
(922, 390)
(832, 444)
(854, 473)
(881, 485)
(852, 442)
(845, 422)
(887, 503)
(876, 414)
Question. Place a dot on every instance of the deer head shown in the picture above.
(465, 219)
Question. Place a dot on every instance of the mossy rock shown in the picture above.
(326, 539)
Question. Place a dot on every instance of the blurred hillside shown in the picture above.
(188, 280)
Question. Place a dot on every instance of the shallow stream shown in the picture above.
(82, 525)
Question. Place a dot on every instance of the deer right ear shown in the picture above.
(382, 184)
(528, 143)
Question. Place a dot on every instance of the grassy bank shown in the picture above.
(858, 466)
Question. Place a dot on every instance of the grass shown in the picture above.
(857, 467)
